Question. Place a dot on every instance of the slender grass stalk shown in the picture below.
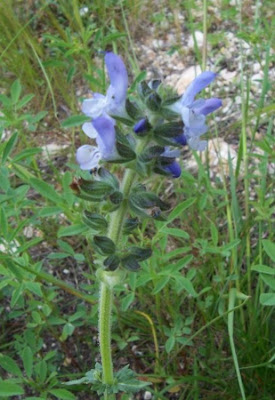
(230, 322)
(204, 46)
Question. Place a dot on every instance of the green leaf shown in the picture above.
(95, 221)
(187, 285)
(9, 146)
(104, 245)
(25, 100)
(72, 230)
(68, 330)
(9, 365)
(34, 287)
(264, 269)
(8, 388)
(16, 89)
(170, 343)
(176, 232)
(178, 210)
(27, 358)
(269, 248)
(62, 394)
(126, 301)
(267, 299)
(75, 120)
(161, 284)
(268, 281)
(46, 190)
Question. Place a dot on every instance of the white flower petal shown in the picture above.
(94, 107)
(89, 130)
(88, 157)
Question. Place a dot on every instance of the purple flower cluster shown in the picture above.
(102, 108)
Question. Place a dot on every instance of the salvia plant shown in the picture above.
(143, 132)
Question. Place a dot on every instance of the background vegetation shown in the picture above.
(213, 254)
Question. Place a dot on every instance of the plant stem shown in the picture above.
(106, 285)
(105, 308)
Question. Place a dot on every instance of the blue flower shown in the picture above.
(193, 111)
(172, 167)
(88, 157)
(113, 103)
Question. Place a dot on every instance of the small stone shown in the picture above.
(28, 231)
(199, 39)
(187, 77)
(66, 271)
(227, 75)
(238, 100)
(147, 395)
(256, 67)
(52, 149)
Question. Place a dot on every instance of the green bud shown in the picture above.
(153, 102)
(170, 130)
(130, 225)
(95, 221)
(143, 89)
(112, 262)
(104, 245)
(132, 110)
(129, 262)
(116, 197)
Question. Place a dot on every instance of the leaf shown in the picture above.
(187, 285)
(9, 146)
(161, 284)
(178, 210)
(16, 89)
(126, 301)
(75, 120)
(269, 248)
(170, 343)
(267, 299)
(8, 388)
(176, 232)
(45, 190)
(25, 100)
(34, 287)
(72, 230)
(264, 269)
(9, 365)
(27, 358)
(62, 394)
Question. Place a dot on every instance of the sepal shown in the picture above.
(170, 129)
(144, 89)
(116, 198)
(132, 110)
(95, 221)
(130, 263)
(112, 262)
(104, 245)
(130, 225)
(91, 190)
(153, 102)
(107, 177)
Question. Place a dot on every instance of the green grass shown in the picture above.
(198, 319)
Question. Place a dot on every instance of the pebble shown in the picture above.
(199, 39)
(52, 149)
(187, 77)
(147, 395)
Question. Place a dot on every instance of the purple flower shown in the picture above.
(113, 103)
(193, 111)
(174, 169)
(173, 166)
(88, 157)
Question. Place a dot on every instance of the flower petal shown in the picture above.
(88, 157)
(174, 169)
(105, 139)
(208, 107)
(95, 106)
(89, 130)
(118, 77)
(196, 144)
(198, 84)
(181, 139)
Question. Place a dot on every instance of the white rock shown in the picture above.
(52, 149)
(199, 39)
(256, 67)
(257, 79)
(227, 75)
(147, 396)
(28, 231)
(187, 77)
